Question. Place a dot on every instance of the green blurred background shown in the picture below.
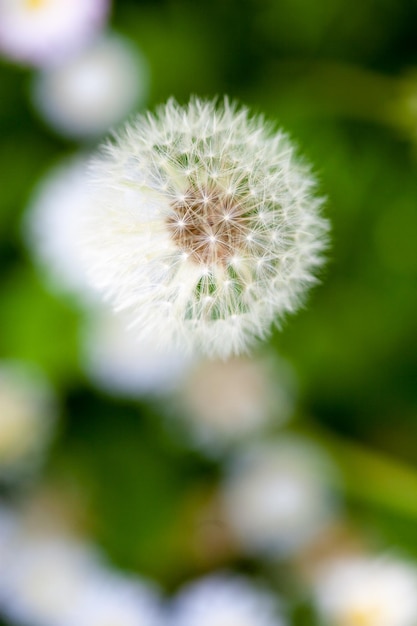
(338, 76)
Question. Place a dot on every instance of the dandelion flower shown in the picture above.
(43, 32)
(276, 497)
(225, 600)
(367, 592)
(93, 90)
(203, 226)
(26, 418)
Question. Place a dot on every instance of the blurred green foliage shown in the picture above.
(326, 71)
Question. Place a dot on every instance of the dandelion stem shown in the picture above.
(369, 476)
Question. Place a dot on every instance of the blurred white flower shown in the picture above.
(204, 227)
(117, 362)
(27, 412)
(94, 90)
(51, 226)
(225, 600)
(48, 578)
(277, 498)
(360, 591)
(112, 599)
(45, 579)
(42, 32)
(225, 402)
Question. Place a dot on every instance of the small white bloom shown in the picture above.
(45, 579)
(204, 227)
(117, 362)
(115, 600)
(42, 32)
(94, 90)
(364, 591)
(51, 226)
(225, 402)
(26, 418)
(225, 600)
(276, 497)
(51, 579)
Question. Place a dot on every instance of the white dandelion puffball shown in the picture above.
(43, 32)
(51, 227)
(225, 600)
(118, 363)
(226, 402)
(94, 90)
(360, 591)
(203, 227)
(276, 497)
(27, 412)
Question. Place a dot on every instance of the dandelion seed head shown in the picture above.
(197, 178)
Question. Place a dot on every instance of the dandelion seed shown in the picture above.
(148, 213)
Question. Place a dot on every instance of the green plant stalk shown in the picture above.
(369, 476)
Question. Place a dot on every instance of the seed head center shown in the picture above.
(209, 225)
